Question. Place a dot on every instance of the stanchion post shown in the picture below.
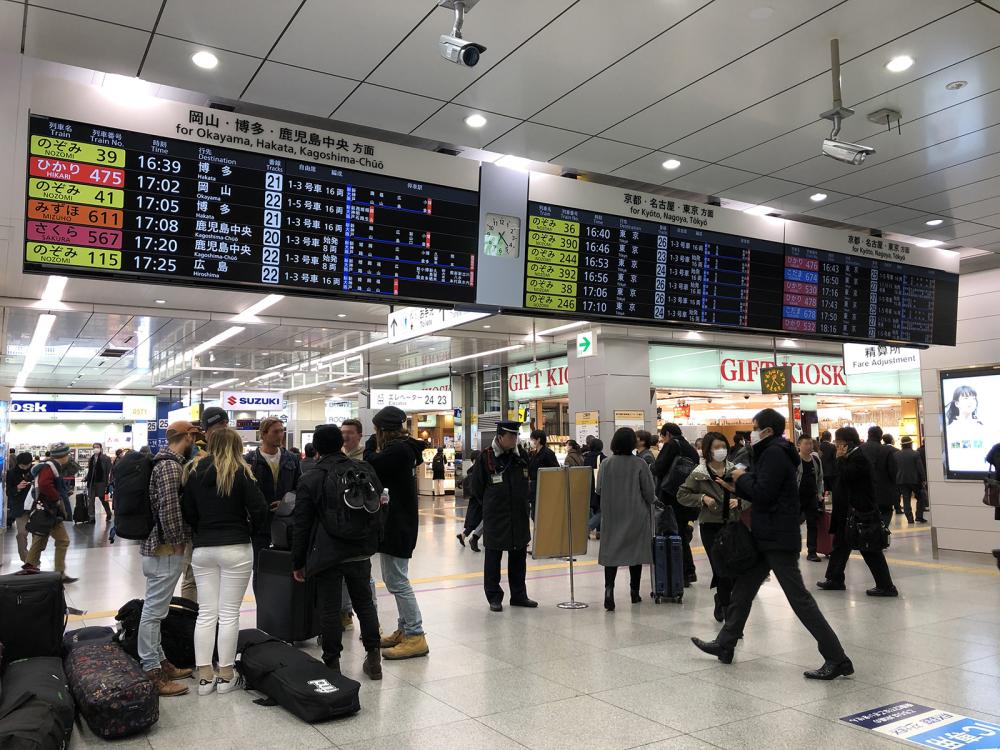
(572, 603)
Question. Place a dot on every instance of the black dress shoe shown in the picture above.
(719, 613)
(831, 586)
(461, 538)
(333, 664)
(813, 557)
(474, 543)
(921, 520)
(496, 607)
(723, 653)
(609, 598)
(831, 670)
(889, 592)
(529, 603)
(635, 596)
(691, 578)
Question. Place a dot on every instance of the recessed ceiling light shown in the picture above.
(817, 197)
(388, 359)
(160, 301)
(899, 64)
(298, 341)
(264, 354)
(487, 326)
(758, 210)
(671, 164)
(934, 222)
(475, 120)
(204, 59)
(956, 85)
(341, 315)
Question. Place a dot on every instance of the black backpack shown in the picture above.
(176, 630)
(134, 518)
(351, 501)
(676, 475)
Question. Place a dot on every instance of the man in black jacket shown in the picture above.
(828, 457)
(96, 481)
(910, 479)
(674, 445)
(17, 482)
(500, 478)
(880, 456)
(333, 560)
(774, 515)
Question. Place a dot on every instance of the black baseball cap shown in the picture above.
(213, 416)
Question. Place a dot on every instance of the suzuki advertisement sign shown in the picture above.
(251, 401)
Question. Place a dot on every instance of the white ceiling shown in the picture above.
(731, 88)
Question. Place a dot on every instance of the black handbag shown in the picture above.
(991, 489)
(865, 531)
(41, 520)
(734, 551)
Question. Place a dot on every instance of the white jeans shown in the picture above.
(222, 575)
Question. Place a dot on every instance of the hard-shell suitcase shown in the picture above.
(44, 678)
(286, 609)
(32, 615)
(29, 723)
(113, 695)
(293, 679)
(81, 513)
(667, 570)
(824, 539)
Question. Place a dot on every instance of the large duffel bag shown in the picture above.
(176, 630)
(32, 615)
(29, 723)
(44, 678)
(293, 679)
(96, 634)
(113, 695)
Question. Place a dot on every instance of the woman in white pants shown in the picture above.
(224, 507)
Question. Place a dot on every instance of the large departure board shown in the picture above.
(106, 202)
(607, 265)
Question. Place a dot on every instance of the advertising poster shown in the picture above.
(971, 417)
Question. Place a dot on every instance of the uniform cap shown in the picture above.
(511, 427)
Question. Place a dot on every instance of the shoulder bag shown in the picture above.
(991, 489)
(734, 551)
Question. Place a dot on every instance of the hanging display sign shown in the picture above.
(251, 400)
(411, 401)
(538, 379)
(412, 322)
(57, 407)
(862, 358)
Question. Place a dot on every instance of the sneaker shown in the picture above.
(175, 673)
(205, 687)
(165, 687)
(392, 640)
(228, 686)
(409, 647)
(347, 620)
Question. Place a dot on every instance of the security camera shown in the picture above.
(457, 50)
(849, 153)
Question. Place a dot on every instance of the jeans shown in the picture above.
(345, 595)
(517, 568)
(785, 566)
(40, 541)
(356, 577)
(395, 574)
(875, 560)
(221, 574)
(188, 588)
(594, 524)
(162, 573)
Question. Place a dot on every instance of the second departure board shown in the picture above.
(106, 202)
(598, 264)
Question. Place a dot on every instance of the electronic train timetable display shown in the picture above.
(109, 202)
(601, 264)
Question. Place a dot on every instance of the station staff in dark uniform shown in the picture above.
(500, 478)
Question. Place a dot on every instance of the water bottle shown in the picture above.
(384, 500)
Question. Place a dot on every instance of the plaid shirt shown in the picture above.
(164, 499)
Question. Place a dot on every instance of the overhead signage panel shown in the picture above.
(862, 358)
(251, 400)
(179, 194)
(55, 407)
(411, 401)
(411, 322)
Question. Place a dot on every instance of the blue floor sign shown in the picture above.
(928, 727)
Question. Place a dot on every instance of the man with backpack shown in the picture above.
(338, 527)
(49, 511)
(677, 459)
(163, 557)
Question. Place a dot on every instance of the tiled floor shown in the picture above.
(552, 678)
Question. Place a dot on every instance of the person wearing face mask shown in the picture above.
(96, 481)
(701, 491)
(811, 490)
(855, 490)
(163, 558)
(541, 457)
(774, 520)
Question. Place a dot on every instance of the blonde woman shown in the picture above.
(224, 508)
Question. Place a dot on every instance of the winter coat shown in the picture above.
(543, 458)
(698, 484)
(312, 547)
(648, 457)
(677, 446)
(818, 473)
(219, 520)
(437, 466)
(289, 473)
(909, 467)
(828, 455)
(855, 489)
(594, 461)
(882, 461)
(396, 466)
(625, 485)
(771, 489)
(16, 497)
(98, 469)
(574, 457)
(505, 504)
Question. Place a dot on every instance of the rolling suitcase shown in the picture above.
(824, 539)
(113, 695)
(80, 512)
(42, 677)
(293, 679)
(667, 569)
(286, 609)
(32, 615)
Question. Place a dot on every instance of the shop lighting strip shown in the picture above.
(226, 334)
(443, 362)
(559, 329)
(321, 383)
(36, 348)
(250, 314)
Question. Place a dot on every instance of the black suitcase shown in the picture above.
(286, 609)
(176, 630)
(32, 615)
(96, 634)
(113, 695)
(81, 512)
(667, 569)
(44, 678)
(293, 679)
(282, 527)
(29, 723)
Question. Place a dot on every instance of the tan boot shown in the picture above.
(388, 641)
(175, 673)
(410, 647)
(165, 687)
(346, 621)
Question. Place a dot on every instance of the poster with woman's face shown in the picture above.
(971, 421)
